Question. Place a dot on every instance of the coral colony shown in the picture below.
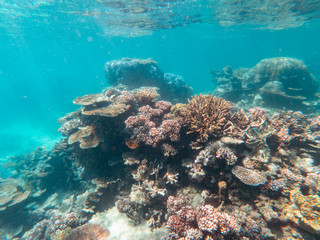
(146, 152)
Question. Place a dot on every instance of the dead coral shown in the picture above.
(206, 116)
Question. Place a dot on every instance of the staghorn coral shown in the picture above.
(206, 116)
(277, 153)
(211, 220)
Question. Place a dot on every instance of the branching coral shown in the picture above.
(206, 116)
(149, 127)
(205, 221)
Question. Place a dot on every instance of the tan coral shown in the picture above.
(89, 99)
(304, 211)
(205, 116)
(11, 193)
(87, 137)
(146, 96)
(113, 110)
(249, 177)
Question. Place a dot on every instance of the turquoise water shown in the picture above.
(54, 51)
(255, 166)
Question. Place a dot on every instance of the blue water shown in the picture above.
(50, 55)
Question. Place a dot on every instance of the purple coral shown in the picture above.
(211, 220)
(207, 221)
(149, 127)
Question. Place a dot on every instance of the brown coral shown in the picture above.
(113, 110)
(146, 96)
(205, 116)
(90, 99)
(87, 137)
(11, 193)
(88, 231)
(304, 211)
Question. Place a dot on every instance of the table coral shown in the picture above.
(248, 176)
(87, 137)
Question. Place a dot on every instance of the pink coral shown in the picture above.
(171, 128)
(186, 222)
(149, 127)
(211, 220)
(163, 105)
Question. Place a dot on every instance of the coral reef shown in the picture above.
(130, 163)
(55, 226)
(274, 82)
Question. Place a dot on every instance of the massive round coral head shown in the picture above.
(205, 116)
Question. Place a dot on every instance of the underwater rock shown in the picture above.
(135, 73)
(274, 82)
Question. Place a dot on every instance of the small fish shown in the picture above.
(112, 162)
